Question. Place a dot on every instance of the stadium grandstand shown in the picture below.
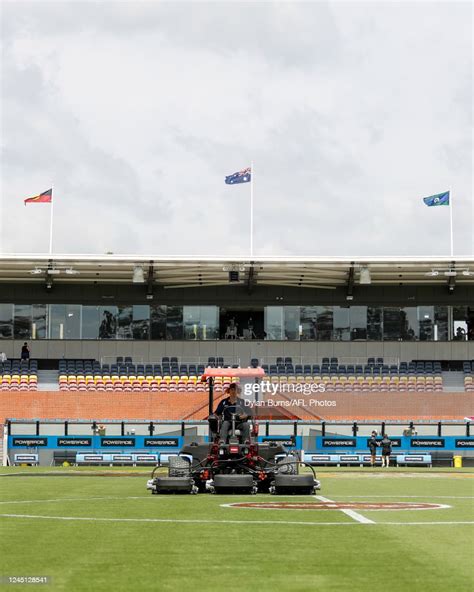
(387, 339)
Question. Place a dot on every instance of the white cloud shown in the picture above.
(351, 113)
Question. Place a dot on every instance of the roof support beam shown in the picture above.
(350, 283)
(250, 279)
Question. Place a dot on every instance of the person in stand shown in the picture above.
(25, 351)
(386, 450)
(3, 357)
(233, 405)
(373, 448)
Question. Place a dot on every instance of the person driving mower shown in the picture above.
(232, 409)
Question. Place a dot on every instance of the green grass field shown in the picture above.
(104, 533)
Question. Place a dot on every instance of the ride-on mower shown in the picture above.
(234, 466)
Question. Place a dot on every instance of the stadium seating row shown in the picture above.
(16, 382)
(191, 384)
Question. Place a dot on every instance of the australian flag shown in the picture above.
(243, 176)
(441, 199)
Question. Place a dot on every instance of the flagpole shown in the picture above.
(451, 222)
(251, 209)
(51, 224)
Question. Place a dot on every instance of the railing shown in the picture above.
(19, 427)
(196, 360)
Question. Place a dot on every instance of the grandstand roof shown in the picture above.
(189, 272)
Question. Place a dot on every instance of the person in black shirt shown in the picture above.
(373, 448)
(233, 405)
(386, 450)
(25, 352)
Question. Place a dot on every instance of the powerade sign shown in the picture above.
(286, 441)
(339, 442)
(463, 443)
(29, 442)
(96, 443)
(74, 442)
(427, 443)
(116, 442)
(162, 442)
(396, 442)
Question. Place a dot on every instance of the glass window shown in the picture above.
(192, 322)
(6, 321)
(462, 323)
(273, 323)
(209, 322)
(341, 323)
(158, 321)
(358, 322)
(99, 322)
(174, 322)
(374, 323)
(292, 322)
(108, 322)
(324, 323)
(200, 322)
(39, 324)
(391, 323)
(308, 320)
(411, 324)
(141, 321)
(22, 321)
(125, 315)
(90, 322)
(440, 328)
(425, 319)
(65, 321)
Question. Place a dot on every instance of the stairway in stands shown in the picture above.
(453, 381)
(48, 380)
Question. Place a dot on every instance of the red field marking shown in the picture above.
(338, 505)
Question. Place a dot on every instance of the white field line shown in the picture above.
(276, 509)
(395, 497)
(350, 513)
(74, 499)
(245, 522)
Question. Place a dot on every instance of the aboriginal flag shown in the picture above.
(45, 197)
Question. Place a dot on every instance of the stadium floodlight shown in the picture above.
(466, 272)
(432, 273)
(138, 275)
(365, 277)
(36, 271)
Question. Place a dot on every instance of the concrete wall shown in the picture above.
(243, 351)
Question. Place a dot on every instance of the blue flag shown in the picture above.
(440, 199)
(244, 176)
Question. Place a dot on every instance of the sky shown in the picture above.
(351, 113)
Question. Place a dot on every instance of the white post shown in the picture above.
(251, 209)
(451, 220)
(51, 224)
